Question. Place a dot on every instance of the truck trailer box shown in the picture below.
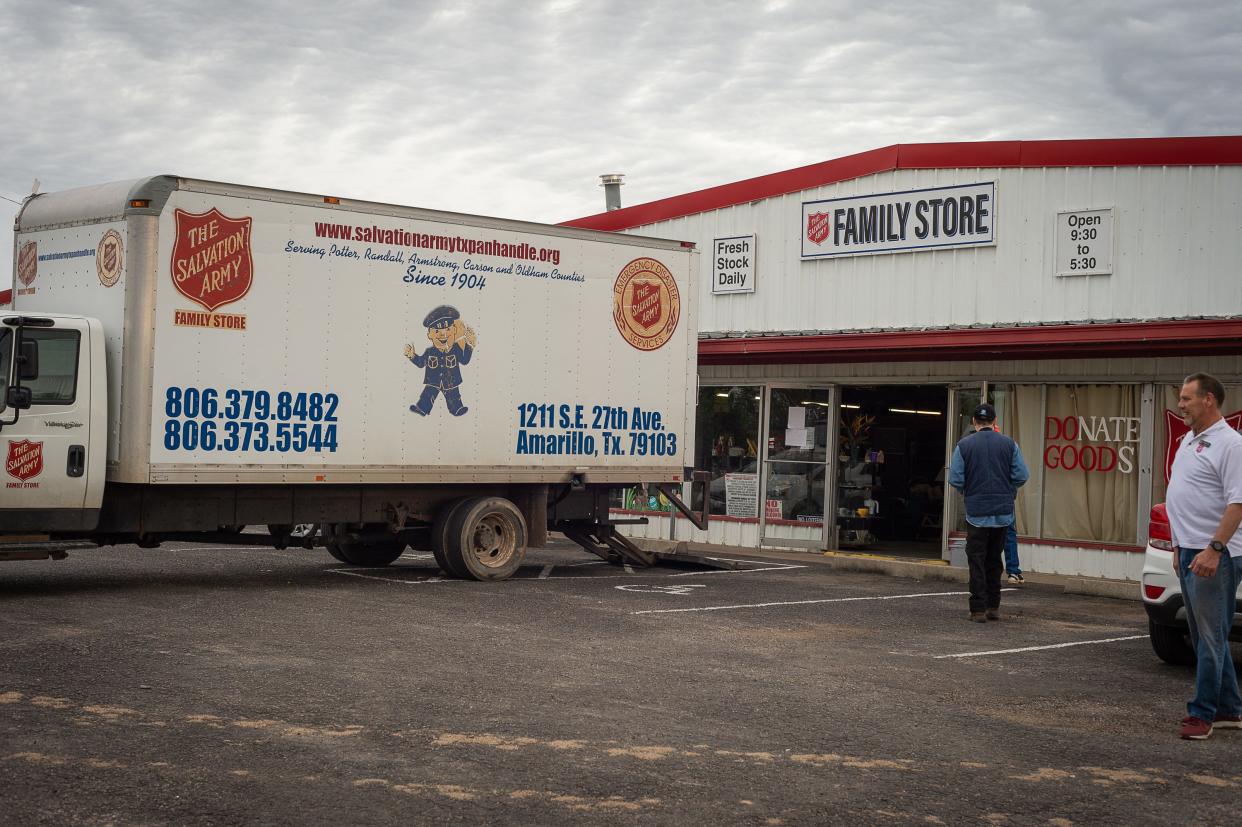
(195, 336)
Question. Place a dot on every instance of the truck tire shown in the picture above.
(439, 537)
(1171, 644)
(485, 539)
(371, 551)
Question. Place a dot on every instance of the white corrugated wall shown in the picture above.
(1177, 250)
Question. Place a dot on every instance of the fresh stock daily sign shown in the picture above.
(897, 222)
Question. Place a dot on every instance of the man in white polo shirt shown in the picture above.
(1204, 504)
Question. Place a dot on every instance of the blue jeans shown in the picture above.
(1011, 550)
(1210, 604)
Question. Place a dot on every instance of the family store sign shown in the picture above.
(895, 222)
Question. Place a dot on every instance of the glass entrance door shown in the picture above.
(795, 478)
(963, 399)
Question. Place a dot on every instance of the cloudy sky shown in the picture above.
(515, 108)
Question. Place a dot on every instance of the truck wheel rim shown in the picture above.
(494, 542)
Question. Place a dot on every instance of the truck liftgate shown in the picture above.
(603, 539)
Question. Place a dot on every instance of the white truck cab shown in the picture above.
(53, 418)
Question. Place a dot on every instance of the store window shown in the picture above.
(727, 430)
(1090, 462)
(798, 437)
(1018, 415)
(640, 497)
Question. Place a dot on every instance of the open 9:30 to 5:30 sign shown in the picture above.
(1084, 243)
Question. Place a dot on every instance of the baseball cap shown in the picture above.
(984, 413)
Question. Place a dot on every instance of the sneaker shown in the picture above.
(1016, 580)
(993, 614)
(1195, 729)
(978, 617)
(1227, 721)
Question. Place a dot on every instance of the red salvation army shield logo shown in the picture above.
(25, 459)
(817, 227)
(1178, 429)
(645, 306)
(28, 262)
(211, 260)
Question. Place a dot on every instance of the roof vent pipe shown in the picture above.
(612, 190)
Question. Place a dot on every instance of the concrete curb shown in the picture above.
(915, 569)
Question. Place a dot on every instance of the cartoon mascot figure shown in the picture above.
(452, 345)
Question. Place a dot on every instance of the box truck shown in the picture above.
(183, 358)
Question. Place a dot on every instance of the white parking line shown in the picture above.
(546, 573)
(739, 571)
(396, 579)
(803, 602)
(1037, 648)
(231, 548)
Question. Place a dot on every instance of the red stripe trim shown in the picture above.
(1084, 544)
(1110, 152)
(1089, 545)
(1163, 338)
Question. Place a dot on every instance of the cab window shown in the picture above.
(58, 366)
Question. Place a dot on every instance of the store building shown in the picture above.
(852, 312)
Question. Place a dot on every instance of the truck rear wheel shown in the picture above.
(439, 537)
(364, 550)
(1171, 644)
(485, 539)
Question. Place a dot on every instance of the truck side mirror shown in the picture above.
(19, 398)
(28, 361)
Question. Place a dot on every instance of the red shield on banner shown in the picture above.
(211, 260)
(1178, 429)
(25, 459)
(645, 307)
(817, 227)
(28, 262)
(111, 254)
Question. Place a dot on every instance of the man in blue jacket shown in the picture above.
(988, 469)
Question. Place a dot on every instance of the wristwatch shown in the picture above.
(1217, 545)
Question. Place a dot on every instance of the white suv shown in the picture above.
(1162, 596)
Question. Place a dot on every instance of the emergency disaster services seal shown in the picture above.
(109, 256)
(646, 304)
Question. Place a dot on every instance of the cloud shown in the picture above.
(515, 109)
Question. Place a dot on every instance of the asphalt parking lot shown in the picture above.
(215, 685)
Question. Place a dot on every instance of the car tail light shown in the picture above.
(1158, 532)
(1153, 592)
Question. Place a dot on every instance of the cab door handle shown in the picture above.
(77, 461)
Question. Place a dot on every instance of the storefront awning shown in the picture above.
(1175, 337)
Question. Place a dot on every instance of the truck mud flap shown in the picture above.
(617, 549)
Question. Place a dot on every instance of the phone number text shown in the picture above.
(207, 419)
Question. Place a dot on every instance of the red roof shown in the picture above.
(1108, 152)
(6, 297)
(1164, 337)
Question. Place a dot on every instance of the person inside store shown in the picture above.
(988, 469)
(1204, 504)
